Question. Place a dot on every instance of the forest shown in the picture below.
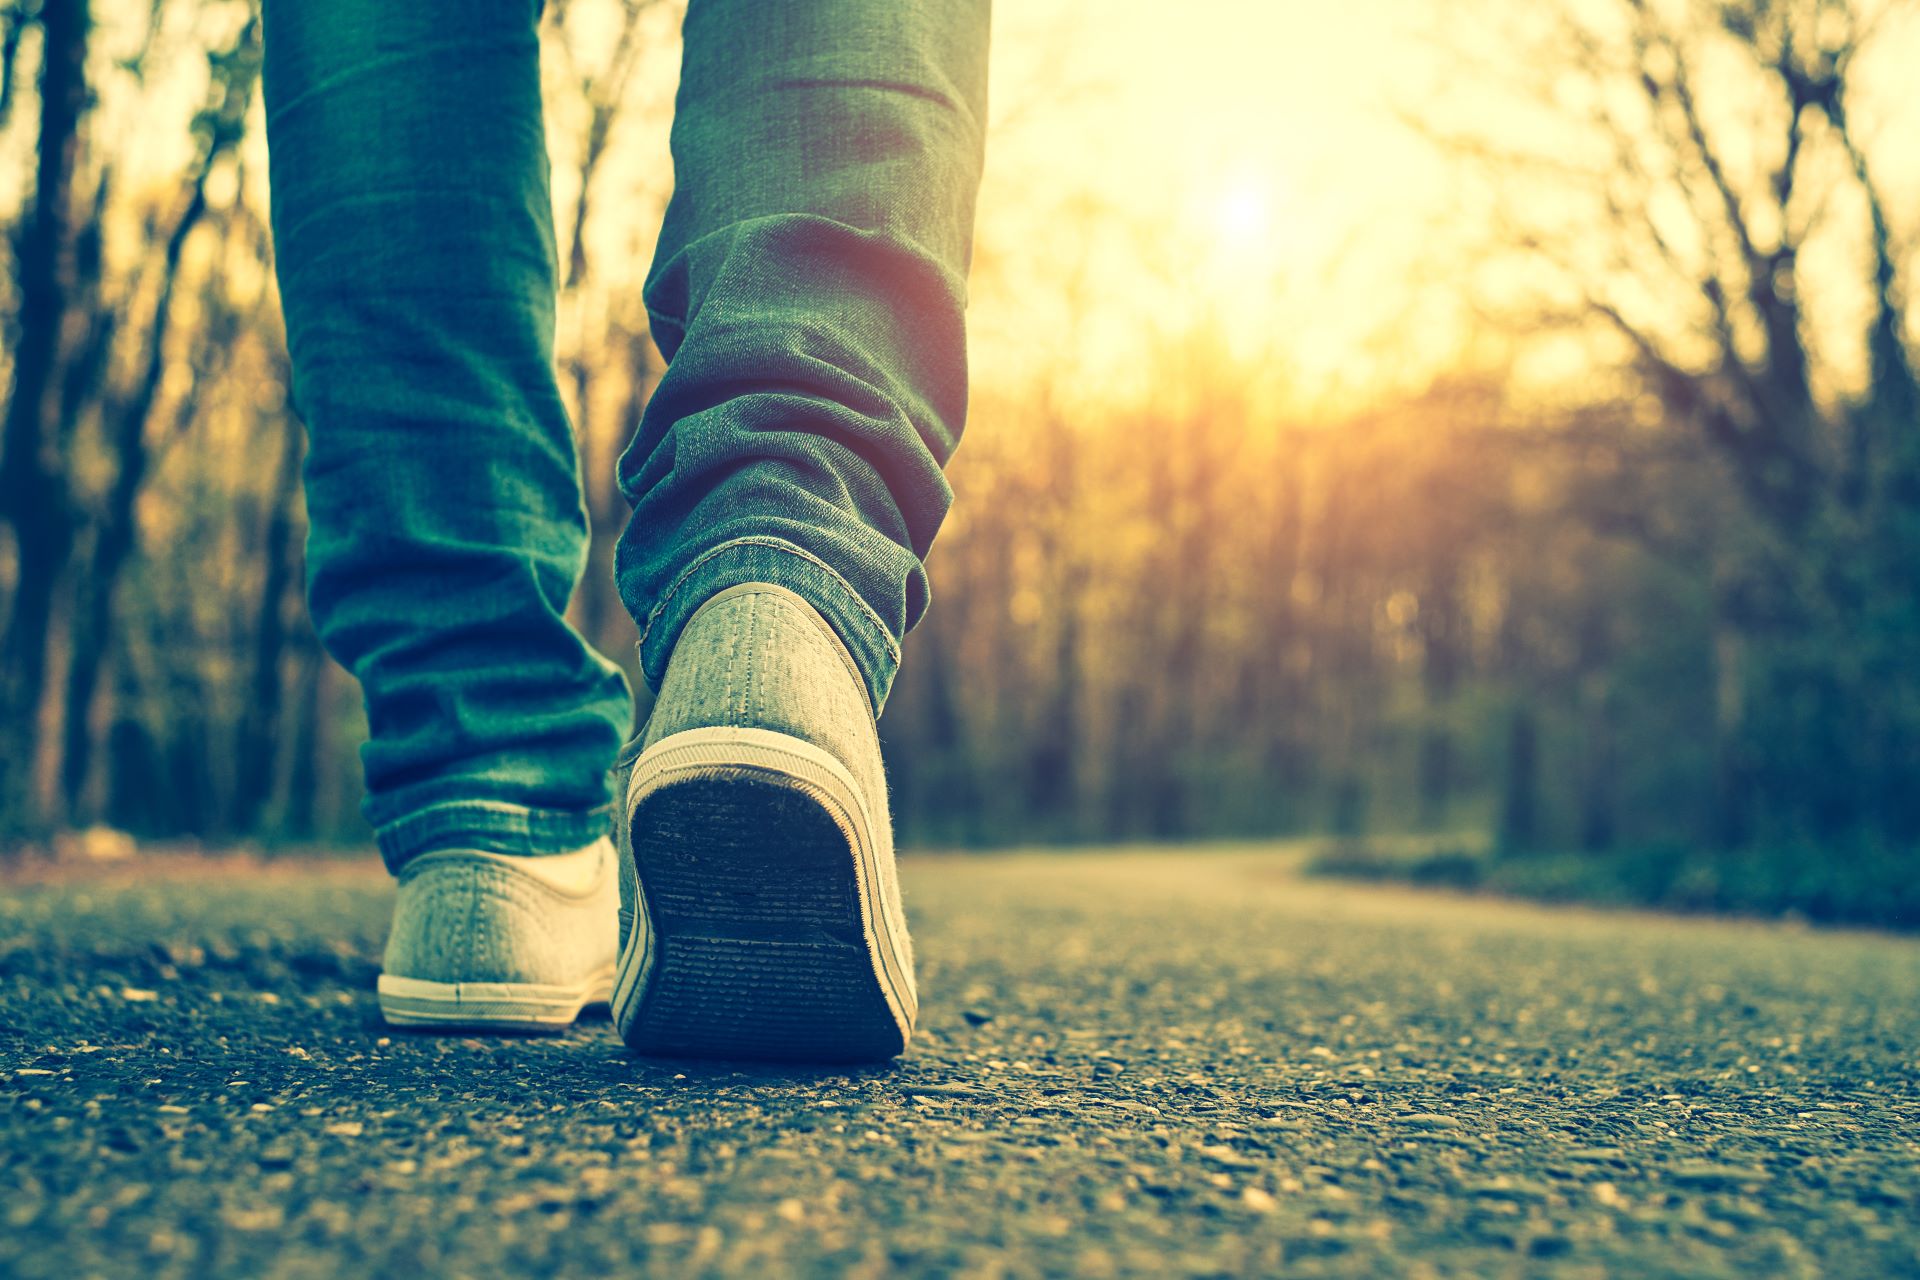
(1627, 579)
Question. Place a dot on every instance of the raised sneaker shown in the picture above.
(761, 914)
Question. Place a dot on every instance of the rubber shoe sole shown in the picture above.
(767, 935)
(490, 1006)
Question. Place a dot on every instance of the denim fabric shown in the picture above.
(808, 290)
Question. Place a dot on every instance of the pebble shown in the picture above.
(1710, 1176)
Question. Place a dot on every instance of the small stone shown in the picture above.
(1229, 1158)
(1705, 1176)
(1596, 1155)
(1259, 1201)
(1428, 1120)
(945, 1091)
(1509, 1189)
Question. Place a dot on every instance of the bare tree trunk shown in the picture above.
(593, 607)
(1599, 786)
(1194, 503)
(113, 544)
(310, 739)
(83, 381)
(260, 718)
(1518, 821)
(1351, 672)
(1520, 796)
(1280, 699)
(136, 793)
(1052, 760)
(1343, 641)
(14, 19)
(34, 495)
(598, 611)
(1053, 786)
(115, 531)
(1730, 820)
(1440, 675)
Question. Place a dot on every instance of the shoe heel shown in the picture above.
(761, 943)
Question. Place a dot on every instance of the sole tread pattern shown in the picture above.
(758, 941)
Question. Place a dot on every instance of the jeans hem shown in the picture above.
(490, 826)
(772, 560)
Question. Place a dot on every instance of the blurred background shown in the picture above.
(1486, 432)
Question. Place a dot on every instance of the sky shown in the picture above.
(1248, 170)
(1252, 153)
(1275, 160)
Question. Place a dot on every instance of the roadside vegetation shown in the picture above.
(1808, 883)
(1627, 582)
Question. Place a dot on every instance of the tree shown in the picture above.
(34, 496)
(1714, 151)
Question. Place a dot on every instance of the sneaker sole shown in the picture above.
(767, 936)
(490, 1006)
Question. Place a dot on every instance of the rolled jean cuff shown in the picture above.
(490, 826)
(781, 563)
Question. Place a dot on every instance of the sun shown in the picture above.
(1234, 224)
(1244, 211)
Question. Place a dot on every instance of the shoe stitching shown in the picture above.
(733, 657)
(753, 644)
(818, 625)
(470, 942)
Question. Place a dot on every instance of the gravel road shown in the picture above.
(1158, 1063)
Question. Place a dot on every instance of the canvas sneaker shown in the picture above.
(761, 914)
(490, 942)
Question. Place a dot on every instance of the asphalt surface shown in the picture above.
(1155, 1064)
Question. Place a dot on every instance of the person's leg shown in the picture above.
(808, 292)
(414, 246)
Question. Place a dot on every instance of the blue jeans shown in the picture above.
(808, 291)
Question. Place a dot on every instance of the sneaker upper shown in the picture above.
(464, 916)
(759, 656)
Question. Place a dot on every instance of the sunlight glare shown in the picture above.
(1244, 212)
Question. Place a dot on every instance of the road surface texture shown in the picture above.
(1129, 1064)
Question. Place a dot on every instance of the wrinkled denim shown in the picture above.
(808, 290)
